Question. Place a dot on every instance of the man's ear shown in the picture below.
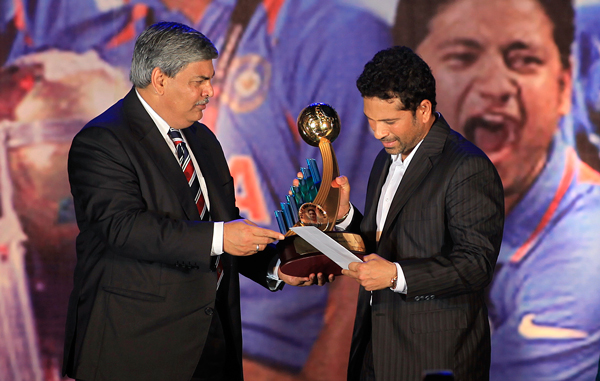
(158, 81)
(424, 111)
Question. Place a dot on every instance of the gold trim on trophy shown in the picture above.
(318, 125)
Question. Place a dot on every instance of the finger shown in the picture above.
(331, 278)
(370, 257)
(351, 274)
(272, 234)
(340, 182)
(353, 266)
(250, 222)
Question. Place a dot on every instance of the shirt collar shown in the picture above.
(397, 159)
(163, 126)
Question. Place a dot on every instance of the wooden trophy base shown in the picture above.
(299, 258)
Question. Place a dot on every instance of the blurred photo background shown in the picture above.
(520, 78)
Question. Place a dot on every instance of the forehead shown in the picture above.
(383, 109)
(203, 69)
(491, 22)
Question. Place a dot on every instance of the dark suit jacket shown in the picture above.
(444, 227)
(144, 293)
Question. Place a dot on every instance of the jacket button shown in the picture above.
(417, 298)
(209, 311)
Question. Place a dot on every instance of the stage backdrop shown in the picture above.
(65, 61)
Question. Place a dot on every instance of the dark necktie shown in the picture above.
(185, 161)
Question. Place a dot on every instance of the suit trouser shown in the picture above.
(367, 371)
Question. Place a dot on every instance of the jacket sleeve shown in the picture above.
(474, 218)
(112, 210)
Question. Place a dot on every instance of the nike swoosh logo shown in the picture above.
(529, 330)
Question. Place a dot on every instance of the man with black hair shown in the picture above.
(434, 214)
(504, 80)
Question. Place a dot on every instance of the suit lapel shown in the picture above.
(159, 153)
(378, 176)
(419, 167)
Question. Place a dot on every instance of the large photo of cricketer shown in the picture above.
(504, 79)
(282, 64)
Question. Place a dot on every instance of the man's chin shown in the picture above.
(392, 150)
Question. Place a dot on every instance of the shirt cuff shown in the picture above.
(217, 242)
(344, 224)
(273, 280)
(401, 286)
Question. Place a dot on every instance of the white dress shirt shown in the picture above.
(392, 182)
(163, 127)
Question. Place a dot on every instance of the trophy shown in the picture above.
(314, 202)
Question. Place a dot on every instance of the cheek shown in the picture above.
(450, 88)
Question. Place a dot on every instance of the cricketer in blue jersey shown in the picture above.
(292, 53)
(545, 301)
(504, 79)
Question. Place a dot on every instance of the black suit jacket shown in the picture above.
(144, 292)
(444, 227)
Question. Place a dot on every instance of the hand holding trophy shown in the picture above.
(319, 126)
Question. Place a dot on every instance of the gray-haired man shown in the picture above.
(156, 289)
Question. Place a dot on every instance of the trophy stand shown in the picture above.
(318, 125)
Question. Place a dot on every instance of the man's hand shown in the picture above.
(318, 279)
(342, 183)
(244, 237)
(375, 273)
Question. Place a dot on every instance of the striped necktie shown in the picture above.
(185, 161)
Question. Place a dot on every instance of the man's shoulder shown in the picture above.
(462, 149)
(116, 118)
(111, 118)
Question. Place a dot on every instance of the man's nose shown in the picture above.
(380, 130)
(496, 83)
(208, 91)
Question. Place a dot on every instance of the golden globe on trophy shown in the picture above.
(319, 126)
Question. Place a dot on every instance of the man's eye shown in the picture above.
(460, 60)
(524, 62)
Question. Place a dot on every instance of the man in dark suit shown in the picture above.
(156, 288)
(434, 216)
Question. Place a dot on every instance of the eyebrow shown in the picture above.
(460, 41)
(520, 45)
(382, 120)
(203, 77)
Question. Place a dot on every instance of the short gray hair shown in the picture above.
(169, 46)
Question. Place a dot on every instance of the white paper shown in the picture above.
(326, 245)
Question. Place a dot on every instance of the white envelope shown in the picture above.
(326, 245)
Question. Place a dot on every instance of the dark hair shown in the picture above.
(169, 46)
(398, 72)
(413, 18)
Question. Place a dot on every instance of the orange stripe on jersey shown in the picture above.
(272, 7)
(139, 11)
(19, 15)
(563, 186)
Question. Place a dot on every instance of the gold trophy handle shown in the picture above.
(328, 196)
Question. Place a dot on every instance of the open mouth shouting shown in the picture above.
(496, 134)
